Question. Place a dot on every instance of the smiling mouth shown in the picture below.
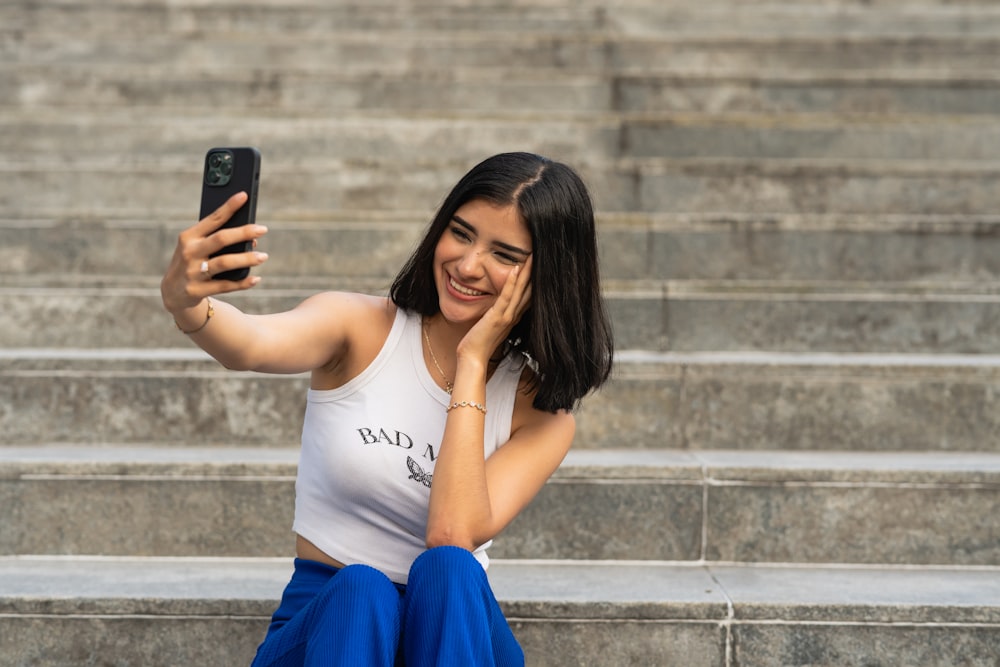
(463, 290)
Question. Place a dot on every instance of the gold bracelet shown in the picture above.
(208, 316)
(466, 404)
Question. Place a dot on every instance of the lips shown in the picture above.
(464, 291)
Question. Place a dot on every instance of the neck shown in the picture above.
(442, 363)
(443, 337)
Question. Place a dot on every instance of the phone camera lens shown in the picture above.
(219, 168)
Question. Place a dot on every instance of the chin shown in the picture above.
(456, 312)
(462, 315)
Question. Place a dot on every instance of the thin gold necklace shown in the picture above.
(448, 385)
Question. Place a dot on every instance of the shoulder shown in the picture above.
(362, 323)
(341, 302)
(348, 311)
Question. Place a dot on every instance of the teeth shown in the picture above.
(464, 290)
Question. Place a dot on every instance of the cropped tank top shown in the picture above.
(368, 453)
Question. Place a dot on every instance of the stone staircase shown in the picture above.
(798, 460)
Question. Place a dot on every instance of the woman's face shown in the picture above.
(474, 257)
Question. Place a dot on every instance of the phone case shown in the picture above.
(228, 171)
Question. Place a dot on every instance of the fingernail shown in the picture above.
(254, 281)
(262, 256)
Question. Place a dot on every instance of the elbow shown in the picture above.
(449, 537)
(237, 360)
(235, 364)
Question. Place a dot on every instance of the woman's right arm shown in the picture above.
(305, 338)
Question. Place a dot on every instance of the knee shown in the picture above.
(362, 584)
(442, 564)
(363, 577)
(446, 557)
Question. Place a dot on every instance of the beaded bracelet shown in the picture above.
(467, 404)
(208, 316)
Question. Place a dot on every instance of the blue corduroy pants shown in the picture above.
(357, 617)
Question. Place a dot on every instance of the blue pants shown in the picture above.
(445, 615)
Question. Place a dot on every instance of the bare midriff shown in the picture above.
(306, 550)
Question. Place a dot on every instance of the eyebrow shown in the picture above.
(505, 246)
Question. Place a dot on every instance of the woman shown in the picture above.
(433, 417)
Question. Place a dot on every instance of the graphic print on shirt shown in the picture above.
(395, 438)
(417, 473)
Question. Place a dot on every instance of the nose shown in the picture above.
(471, 264)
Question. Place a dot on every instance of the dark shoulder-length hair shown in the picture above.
(565, 332)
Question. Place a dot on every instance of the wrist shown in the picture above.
(470, 366)
(467, 404)
(181, 305)
(194, 319)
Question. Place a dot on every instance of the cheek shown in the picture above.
(445, 250)
(500, 277)
(436, 266)
(441, 254)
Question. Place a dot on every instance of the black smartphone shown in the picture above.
(228, 171)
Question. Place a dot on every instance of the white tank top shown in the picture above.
(368, 452)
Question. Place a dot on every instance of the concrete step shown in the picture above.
(863, 92)
(836, 138)
(347, 88)
(407, 138)
(916, 249)
(356, 136)
(816, 507)
(638, 18)
(800, 19)
(680, 316)
(56, 612)
(141, 186)
(600, 49)
(246, 92)
(262, 18)
(320, 248)
(689, 316)
(697, 401)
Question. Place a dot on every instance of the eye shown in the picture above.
(506, 258)
(459, 233)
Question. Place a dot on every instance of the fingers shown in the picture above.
(188, 278)
(198, 243)
(205, 237)
(221, 215)
(195, 282)
(517, 289)
(241, 260)
(231, 236)
(496, 324)
(524, 274)
(513, 300)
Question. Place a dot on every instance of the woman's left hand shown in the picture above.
(495, 325)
